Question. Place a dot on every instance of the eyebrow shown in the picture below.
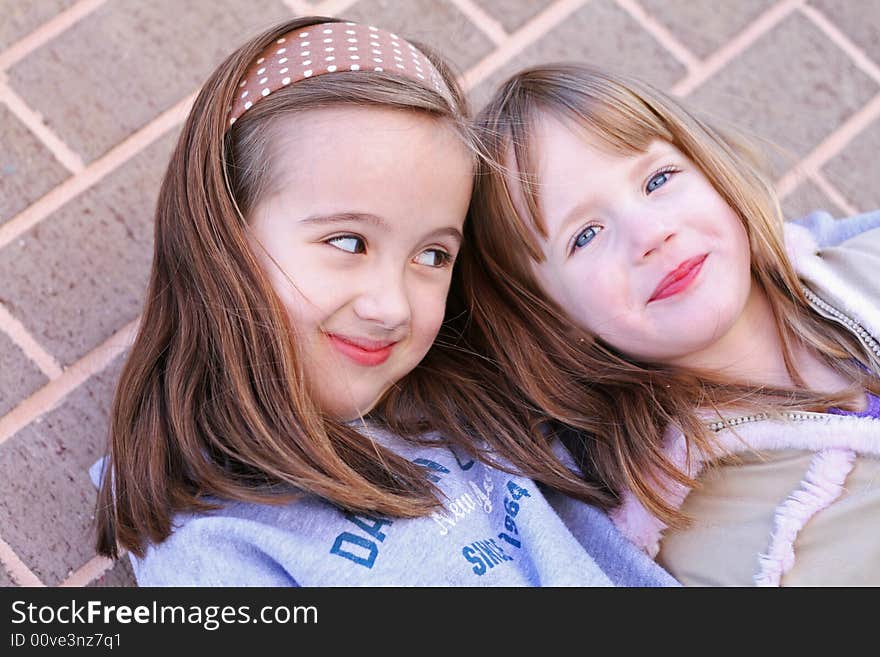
(344, 217)
(374, 220)
(449, 231)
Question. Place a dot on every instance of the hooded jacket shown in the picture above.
(841, 283)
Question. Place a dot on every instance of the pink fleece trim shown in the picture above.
(822, 485)
(833, 432)
(638, 524)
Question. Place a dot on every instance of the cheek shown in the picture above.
(308, 288)
(295, 297)
(740, 249)
(592, 300)
(429, 309)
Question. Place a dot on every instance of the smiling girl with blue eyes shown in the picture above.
(716, 377)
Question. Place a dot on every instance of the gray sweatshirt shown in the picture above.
(494, 529)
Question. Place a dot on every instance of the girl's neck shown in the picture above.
(752, 352)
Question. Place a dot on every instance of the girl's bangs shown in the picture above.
(608, 117)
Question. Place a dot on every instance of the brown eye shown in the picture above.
(348, 243)
(435, 258)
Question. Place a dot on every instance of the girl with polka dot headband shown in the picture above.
(298, 407)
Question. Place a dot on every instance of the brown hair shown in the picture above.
(618, 408)
(211, 403)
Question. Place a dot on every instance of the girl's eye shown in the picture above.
(349, 243)
(434, 258)
(659, 179)
(585, 237)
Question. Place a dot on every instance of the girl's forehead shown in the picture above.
(368, 161)
(335, 122)
(382, 141)
(553, 143)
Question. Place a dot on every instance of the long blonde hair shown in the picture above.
(619, 408)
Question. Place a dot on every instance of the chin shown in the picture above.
(351, 412)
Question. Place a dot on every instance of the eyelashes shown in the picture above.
(660, 178)
(444, 259)
(586, 236)
(356, 243)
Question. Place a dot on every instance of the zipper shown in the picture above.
(797, 416)
(830, 312)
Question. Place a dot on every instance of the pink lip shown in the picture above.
(679, 278)
(362, 351)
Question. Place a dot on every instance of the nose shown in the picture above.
(383, 299)
(649, 233)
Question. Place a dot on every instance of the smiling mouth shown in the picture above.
(679, 279)
(365, 352)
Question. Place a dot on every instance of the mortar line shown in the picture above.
(833, 193)
(482, 20)
(46, 32)
(735, 46)
(842, 41)
(94, 172)
(518, 41)
(53, 393)
(661, 33)
(92, 570)
(831, 145)
(16, 568)
(25, 341)
(33, 121)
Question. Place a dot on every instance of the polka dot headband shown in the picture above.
(328, 48)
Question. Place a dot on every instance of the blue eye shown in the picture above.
(348, 243)
(585, 237)
(440, 258)
(659, 179)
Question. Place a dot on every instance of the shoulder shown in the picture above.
(224, 548)
(828, 231)
(836, 243)
(819, 234)
(842, 271)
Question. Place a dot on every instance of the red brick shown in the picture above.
(703, 26)
(805, 199)
(5, 579)
(600, 34)
(512, 14)
(119, 575)
(78, 276)
(27, 169)
(858, 19)
(129, 60)
(20, 378)
(47, 501)
(21, 17)
(855, 170)
(436, 23)
(792, 87)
